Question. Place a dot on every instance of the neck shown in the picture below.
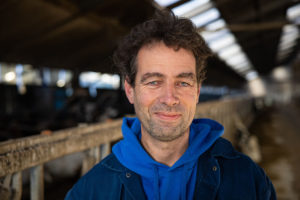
(165, 152)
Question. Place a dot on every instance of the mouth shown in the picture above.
(167, 116)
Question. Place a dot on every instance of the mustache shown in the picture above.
(165, 108)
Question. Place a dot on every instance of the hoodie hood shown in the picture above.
(158, 178)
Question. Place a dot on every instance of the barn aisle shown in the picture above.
(278, 131)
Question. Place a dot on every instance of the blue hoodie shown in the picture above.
(161, 181)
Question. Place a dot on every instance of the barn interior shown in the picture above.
(56, 68)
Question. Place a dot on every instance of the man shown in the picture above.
(165, 153)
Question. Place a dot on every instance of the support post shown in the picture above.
(104, 149)
(17, 186)
(37, 183)
(92, 156)
(5, 191)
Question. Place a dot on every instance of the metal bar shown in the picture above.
(91, 158)
(105, 149)
(31, 151)
(17, 186)
(5, 190)
(27, 142)
(7, 180)
(37, 183)
(96, 154)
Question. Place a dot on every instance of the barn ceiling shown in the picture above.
(66, 33)
(257, 25)
(82, 35)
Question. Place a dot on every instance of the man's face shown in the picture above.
(165, 92)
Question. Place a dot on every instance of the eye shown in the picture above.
(152, 83)
(183, 84)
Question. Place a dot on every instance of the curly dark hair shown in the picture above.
(173, 31)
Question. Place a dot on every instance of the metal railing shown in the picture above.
(95, 140)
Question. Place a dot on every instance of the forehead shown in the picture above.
(157, 57)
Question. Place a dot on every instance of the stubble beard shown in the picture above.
(164, 131)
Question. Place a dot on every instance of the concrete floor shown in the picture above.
(278, 131)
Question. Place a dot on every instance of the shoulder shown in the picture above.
(102, 177)
(240, 172)
(237, 162)
(223, 150)
(107, 168)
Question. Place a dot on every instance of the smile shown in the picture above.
(167, 116)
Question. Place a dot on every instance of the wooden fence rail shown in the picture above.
(95, 140)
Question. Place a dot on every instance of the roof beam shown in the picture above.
(265, 9)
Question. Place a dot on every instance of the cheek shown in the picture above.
(144, 98)
(189, 96)
(190, 100)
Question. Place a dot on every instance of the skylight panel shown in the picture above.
(290, 28)
(284, 52)
(288, 40)
(218, 24)
(242, 67)
(188, 7)
(221, 43)
(293, 13)
(290, 31)
(198, 10)
(210, 36)
(165, 3)
(229, 51)
(219, 38)
(286, 45)
(237, 59)
(206, 17)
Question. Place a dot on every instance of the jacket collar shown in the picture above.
(112, 163)
(223, 148)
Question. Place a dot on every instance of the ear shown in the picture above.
(129, 91)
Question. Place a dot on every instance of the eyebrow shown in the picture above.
(149, 75)
(188, 75)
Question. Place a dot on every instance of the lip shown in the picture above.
(167, 116)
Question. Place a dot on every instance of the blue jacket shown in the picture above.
(222, 174)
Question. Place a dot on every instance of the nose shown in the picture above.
(169, 95)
